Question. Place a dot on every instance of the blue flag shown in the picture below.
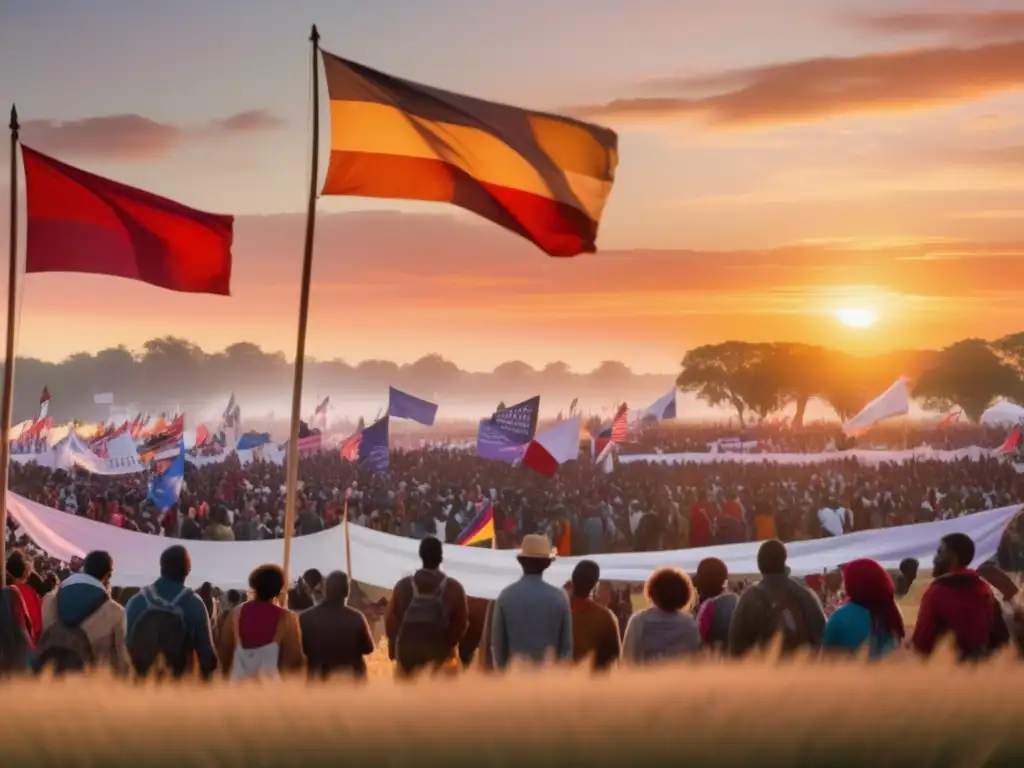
(519, 421)
(165, 488)
(403, 406)
(373, 447)
(494, 444)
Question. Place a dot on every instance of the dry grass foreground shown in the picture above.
(760, 713)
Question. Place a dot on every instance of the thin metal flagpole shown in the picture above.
(8, 397)
(300, 340)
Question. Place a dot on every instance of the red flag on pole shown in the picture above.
(80, 222)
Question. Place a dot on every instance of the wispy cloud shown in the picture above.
(135, 137)
(817, 89)
(981, 26)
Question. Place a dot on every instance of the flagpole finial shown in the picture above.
(314, 35)
(14, 126)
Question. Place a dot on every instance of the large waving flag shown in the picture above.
(544, 177)
(494, 444)
(373, 446)
(893, 402)
(480, 528)
(554, 447)
(518, 422)
(404, 406)
(80, 222)
(165, 487)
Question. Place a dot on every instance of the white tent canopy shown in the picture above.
(381, 559)
(1003, 413)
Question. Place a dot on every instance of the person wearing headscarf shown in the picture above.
(869, 617)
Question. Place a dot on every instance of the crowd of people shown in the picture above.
(166, 629)
(433, 494)
(638, 507)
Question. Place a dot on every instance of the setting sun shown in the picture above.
(855, 317)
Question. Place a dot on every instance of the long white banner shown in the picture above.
(381, 559)
(864, 456)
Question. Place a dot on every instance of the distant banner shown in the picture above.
(863, 456)
(121, 459)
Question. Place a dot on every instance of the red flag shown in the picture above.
(950, 418)
(349, 447)
(79, 222)
(1013, 442)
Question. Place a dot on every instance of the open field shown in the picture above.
(801, 713)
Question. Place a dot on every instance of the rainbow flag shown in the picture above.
(481, 528)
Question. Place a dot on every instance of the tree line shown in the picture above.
(171, 370)
(759, 380)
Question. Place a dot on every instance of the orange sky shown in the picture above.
(792, 158)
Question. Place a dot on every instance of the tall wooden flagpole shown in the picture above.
(8, 397)
(300, 341)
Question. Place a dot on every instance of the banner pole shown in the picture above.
(7, 406)
(300, 340)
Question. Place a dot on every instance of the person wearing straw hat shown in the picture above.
(531, 618)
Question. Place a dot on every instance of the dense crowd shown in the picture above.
(638, 507)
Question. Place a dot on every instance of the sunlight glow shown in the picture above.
(856, 317)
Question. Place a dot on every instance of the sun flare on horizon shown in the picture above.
(856, 317)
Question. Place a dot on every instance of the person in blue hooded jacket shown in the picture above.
(172, 594)
(83, 601)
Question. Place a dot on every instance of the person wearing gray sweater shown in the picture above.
(531, 619)
(666, 630)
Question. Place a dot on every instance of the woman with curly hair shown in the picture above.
(666, 630)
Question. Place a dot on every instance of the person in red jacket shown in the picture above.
(961, 603)
(19, 568)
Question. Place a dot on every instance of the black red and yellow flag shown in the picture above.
(542, 176)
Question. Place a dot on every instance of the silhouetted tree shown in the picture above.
(714, 373)
(968, 374)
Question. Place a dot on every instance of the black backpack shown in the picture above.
(784, 617)
(14, 640)
(423, 637)
(161, 632)
(64, 649)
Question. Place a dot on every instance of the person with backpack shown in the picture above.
(715, 603)
(427, 616)
(169, 620)
(260, 639)
(776, 606)
(82, 626)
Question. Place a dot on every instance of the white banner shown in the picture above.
(103, 398)
(121, 458)
(865, 456)
(381, 559)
